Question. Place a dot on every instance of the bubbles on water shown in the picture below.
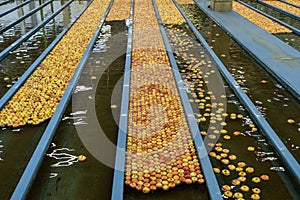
(268, 159)
(258, 102)
(279, 86)
(100, 45)
(9, 33)
(77, 116)
(278, 169)
(53, 175)
(79, 113)
(263, 153)
(82, 88)
(63, 156)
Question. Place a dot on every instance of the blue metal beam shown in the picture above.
(15, 8)
(289, 3)
(24, 17)
(5, 2)
(288, 159)
(296, 31)
(17, 43)
(7, 96)
(210, 178)
(280, 10)
(32, 167)
(118, 181)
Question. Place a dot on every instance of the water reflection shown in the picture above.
(12, 67)
(66, 15)
(20, 14)
(33, 17)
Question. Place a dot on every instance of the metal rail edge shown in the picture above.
(118, 179)
(290, 87)
(25, 16)
(210, 178)
(289, 3)
(279, 10)
(295, 30)
(15, 8)
(24, 37)
(32, 167)
(288, 159)
(5, 2)
(16, 86)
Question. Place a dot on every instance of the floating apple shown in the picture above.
(37, 99)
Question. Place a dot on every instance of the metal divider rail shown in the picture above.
(24, 16)
(211, 181)
(8, 95)
(32, 167)
(4, 2)
(295, 30)
(270, 134)
(279, 10)
(291, 4)
(118, 179)
(17, 43)
(15, 8)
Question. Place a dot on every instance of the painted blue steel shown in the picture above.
(32, 167)
(288, 80)
(15, 8)
(18, 42)
(24, 17)
(296, 31)
(210, 178)
(118, 181)
(288, 159)
(5, 2)
(7, 96)
(279, 10)
(289, 3)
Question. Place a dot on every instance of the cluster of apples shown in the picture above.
(240, 172)
(296, 2)
(258, 19)
(181, 2)
(169, 13)
(286, 7)
(196, 70)
(120, 10)
(160, 150)
(36, 101)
